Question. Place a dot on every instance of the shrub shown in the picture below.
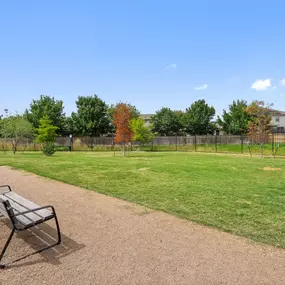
(46, 136)
(48, 149)
(61, 148)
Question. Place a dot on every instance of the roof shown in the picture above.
(276, 112)
(146, 116)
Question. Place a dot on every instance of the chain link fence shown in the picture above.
(271, 144)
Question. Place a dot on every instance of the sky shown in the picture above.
(150, 53)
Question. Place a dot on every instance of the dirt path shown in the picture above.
(109, 241)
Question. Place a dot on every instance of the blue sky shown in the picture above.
(151, 53)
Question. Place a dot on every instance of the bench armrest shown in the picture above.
(6, 186)
(36, 209)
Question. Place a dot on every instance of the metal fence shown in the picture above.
(272, 144)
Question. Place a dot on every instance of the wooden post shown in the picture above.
(272, 143)
(176, 142)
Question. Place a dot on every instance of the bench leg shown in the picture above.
(5, 248)
(48, 247)
(58, 229)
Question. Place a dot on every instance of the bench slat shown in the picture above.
(27, 218)
(27, 204)
(20, 204)
(22, 219)
(3, 210)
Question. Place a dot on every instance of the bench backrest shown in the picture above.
(5, 206)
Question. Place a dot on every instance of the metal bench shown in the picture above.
(24, 215)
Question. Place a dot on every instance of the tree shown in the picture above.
(142, 132)
(235, 121)
(259, 124)
(47, 135)
(47, 106)
(14, 129)
(166, 122)
(68, 126)
(180, 115)
(198, 117)
(1, 121)
(111, 108)
(92, 117)
(122, 116)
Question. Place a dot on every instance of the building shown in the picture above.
(277, 121)
(146, 118)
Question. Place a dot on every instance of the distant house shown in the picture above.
(277, 121)
(146, 118)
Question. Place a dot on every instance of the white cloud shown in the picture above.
(282, 82)
(202, 87)
(260, 85)
(172, 65)
(274, 87)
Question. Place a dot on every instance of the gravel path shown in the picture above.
(109, 241)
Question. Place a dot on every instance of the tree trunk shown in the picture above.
(14, 148)
(124, 149)
(4, 149)
(260, 150)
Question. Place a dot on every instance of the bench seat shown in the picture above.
(20, 205)
(24, 214)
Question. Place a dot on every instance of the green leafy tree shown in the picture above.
(14, 129)
(1, 121)
(110, 113)
(68, 126)
(92, 117)
(198, 119)
(180, 115)
(166, 122)
(47, 106)
(47, 135)
(141, 132)
(235, 121)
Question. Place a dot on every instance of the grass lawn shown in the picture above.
(236, 194)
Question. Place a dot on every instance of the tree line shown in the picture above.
(94, 117)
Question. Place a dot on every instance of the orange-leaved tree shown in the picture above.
(259, 123)
(122, 116)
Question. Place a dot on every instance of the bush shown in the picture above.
(46, 136)
(48, 149)
(61, 148)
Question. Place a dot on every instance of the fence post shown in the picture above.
(241, 143)
(216, 142)
(152, 144)
(195, 143)
(176, 142)
(272, 143)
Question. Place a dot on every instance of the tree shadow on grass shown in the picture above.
(37, 238)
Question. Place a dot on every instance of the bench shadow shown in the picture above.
(40, 237)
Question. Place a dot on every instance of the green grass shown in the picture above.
(232, 193)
